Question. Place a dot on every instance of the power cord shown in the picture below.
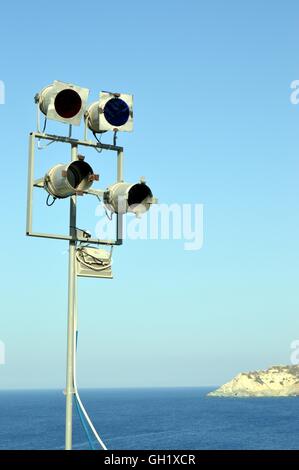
(48, 198)
(76, 392)
(99, 141)
(106, 212)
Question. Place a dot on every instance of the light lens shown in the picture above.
(138, 193)
(67, 103)
(116, 112)
(77, 173)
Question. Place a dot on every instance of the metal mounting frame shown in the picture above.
(38, 183)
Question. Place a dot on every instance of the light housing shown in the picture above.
(64, 180)
(113, 112)
(63, 102)
(127, 197)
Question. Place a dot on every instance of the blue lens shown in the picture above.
(116, 112)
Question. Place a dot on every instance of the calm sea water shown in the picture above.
(182, 418)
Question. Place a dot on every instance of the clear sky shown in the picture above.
(213, 125)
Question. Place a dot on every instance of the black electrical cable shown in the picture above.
(45, 125)
(114, 138)
(96, 137)
(47, 200)
(99, 141)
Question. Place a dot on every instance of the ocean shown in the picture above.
(152, 419)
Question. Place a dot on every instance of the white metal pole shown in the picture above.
(120, 165)
(120, 178)
(30, 184)
(71, 319)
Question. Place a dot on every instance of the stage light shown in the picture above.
(63, 102)
(113, 112)
(127, 197)
(64, 180)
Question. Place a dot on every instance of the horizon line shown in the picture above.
(24, 389)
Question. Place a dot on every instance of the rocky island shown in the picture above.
(277, 381)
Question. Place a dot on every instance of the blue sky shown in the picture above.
(213, 125)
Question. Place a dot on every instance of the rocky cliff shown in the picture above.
(277, 381)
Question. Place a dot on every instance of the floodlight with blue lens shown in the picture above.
(113, 112)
